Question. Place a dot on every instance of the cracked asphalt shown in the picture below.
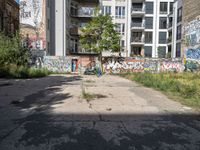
(51, 114)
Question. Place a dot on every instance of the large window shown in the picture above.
(178, 32)
(162, 37)
(171, 6)
(178, 50)
(149, 8)
(163, 7)
(137, 37)
(106, 10)
(162, 51)
(120, 12)
(149, 22)
(179, 15)
(163, 22)
(148, 51)
(148, 37)
(120, 28)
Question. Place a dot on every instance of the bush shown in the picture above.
(12, 52)
(21, 72)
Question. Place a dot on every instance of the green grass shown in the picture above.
(21, 72)
(88, 96)
(183, 87)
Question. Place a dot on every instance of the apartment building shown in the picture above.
(144, 26)
(118, 10)
(175, 22)
(150, 28)
(64, 20)
(9, 16)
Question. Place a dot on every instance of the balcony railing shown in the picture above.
(137, 25)
(84, 12)
(137, 40)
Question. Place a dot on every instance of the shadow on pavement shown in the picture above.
(41, 129)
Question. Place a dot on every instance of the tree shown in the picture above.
(100, 35)
(12, 52)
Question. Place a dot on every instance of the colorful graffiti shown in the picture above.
(192, 66)
(170, 66)
(151, 66)
(57, 64)
(114, 65)
(193, 54)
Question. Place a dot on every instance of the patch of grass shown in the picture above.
(183, 87)
(88, 96)
(21, 72)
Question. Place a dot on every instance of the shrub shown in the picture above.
(21, 72)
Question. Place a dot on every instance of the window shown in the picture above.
(149, 8)
(163, 22)
(163, 7)
(137, 6)
(162, 37)
(120, 28)
(179, 15)
(171, 6)
(178, 50)
(106, 10)
(137, 37)
(137, 22)
(148, 51)
(178, 32)
(120, 12)
(149, 22)
(148, 37)
(161, 51)
(136, 51)
(122, 44)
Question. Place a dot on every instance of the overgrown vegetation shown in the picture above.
(14, 59)
(22, 72)
(184, 87)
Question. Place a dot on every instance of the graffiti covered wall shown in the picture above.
(192, 42)
(33, 23)
(57, 64)
(123, 65)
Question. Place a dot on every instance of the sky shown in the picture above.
(17, 1)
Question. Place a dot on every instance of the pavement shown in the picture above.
(51, 114)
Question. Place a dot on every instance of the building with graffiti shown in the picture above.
(33, 23)
(191, 33)
(9, 16)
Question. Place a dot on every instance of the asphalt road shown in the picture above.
(51, 114)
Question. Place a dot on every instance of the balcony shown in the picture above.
(87, 1)
(137, 26)
(83, 12)
(137, 41)
(138, 12)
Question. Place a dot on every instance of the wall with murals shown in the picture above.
(33, 23)
(123, 65)
(192, 42)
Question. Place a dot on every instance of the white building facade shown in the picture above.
(148, 28)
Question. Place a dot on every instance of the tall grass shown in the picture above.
(184, 87)
(22, 72)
